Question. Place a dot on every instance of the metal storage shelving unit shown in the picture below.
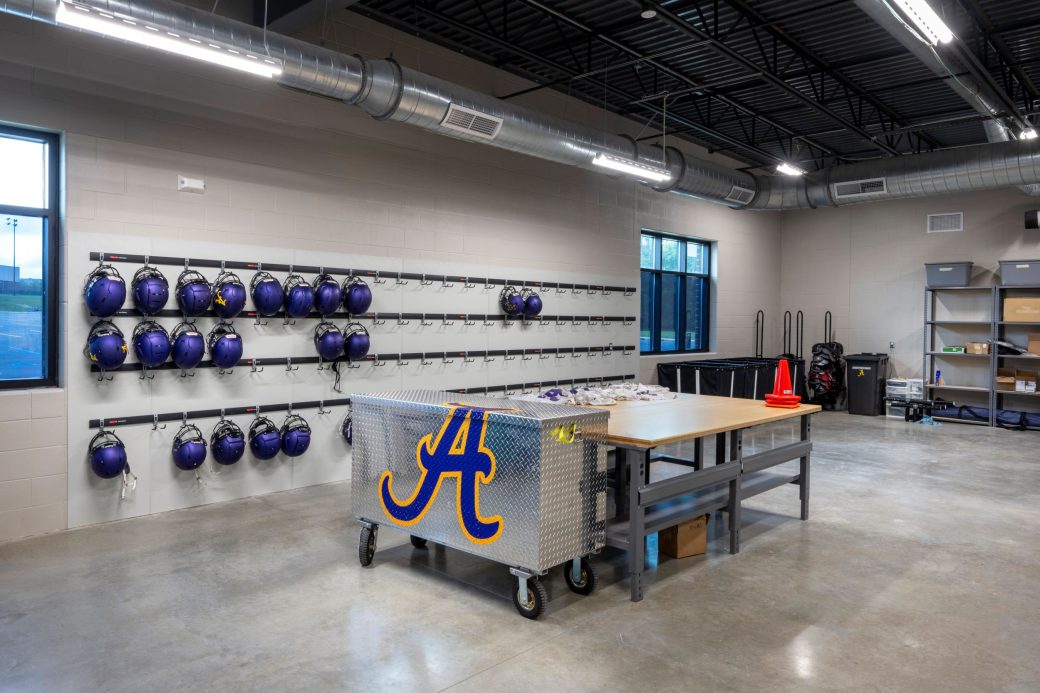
(997, 328)
(933, 357)
(1001, 329)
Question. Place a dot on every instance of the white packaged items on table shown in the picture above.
(603, 395)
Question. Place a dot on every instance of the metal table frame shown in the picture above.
(653, 506)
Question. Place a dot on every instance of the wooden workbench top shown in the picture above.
(650, 424)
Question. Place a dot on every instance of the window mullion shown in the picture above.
(658, 316)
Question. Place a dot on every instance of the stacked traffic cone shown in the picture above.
(783, 394)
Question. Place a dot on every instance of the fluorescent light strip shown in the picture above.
(789, 170)
(632, 168)
(925, 19)
(129, 31)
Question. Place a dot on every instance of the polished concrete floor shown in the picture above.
(919, 570)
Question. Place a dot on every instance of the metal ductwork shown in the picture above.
(387, 91)
(966, 169)
(970, 84)
(304, 66)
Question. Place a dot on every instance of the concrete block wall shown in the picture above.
(33, 462)
(865, 263)
(288, 174)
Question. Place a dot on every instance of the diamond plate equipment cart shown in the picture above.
(517, 482)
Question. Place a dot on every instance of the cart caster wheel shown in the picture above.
(418, 542)
(533, 603)
(367, 546)
(587, 584)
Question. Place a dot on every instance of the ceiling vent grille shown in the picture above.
(946, 223)
(467, 120)
(855, 188)
(740, 195)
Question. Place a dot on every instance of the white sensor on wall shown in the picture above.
(191, 185)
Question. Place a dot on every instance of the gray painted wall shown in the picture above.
(865, 263)
(290, 176)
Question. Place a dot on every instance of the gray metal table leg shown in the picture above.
(636, 526)
(736, 452)
(803, 469)
(734, 516)
(620, 481)
(698, 454)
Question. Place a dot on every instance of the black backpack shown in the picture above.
(826, 380)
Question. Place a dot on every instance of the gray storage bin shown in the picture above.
(948, 273)
(1020, 272)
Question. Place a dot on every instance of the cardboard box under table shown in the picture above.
(685, 539)
(643, 507)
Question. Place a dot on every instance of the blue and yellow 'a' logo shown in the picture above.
(457, 451)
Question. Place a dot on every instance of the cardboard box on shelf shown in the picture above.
(1022, 309)
(977, 347)
(1034, 343)
(1025, 381)
(686, 539)
(1005, 379)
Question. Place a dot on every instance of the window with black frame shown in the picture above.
(674, 294)
(28, 258)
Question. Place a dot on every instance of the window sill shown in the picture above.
(680, 354)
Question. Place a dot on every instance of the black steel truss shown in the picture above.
(774, 97)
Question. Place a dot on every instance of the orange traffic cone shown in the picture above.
(783, 394)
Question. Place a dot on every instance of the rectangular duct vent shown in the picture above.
(740, 195)
(855, 188)
(473, 122)
(946, 223)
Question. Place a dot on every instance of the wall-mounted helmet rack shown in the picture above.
(257, 410)
(424, 357)
(377, 276)
(406, 318)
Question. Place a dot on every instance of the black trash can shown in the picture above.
(866, 377)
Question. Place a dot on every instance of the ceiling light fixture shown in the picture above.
(1029, 134)
(632, 168)
(144, 34)
(648, 11)
(926, 20)
(789, 170)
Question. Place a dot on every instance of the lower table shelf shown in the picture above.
(672, 512)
